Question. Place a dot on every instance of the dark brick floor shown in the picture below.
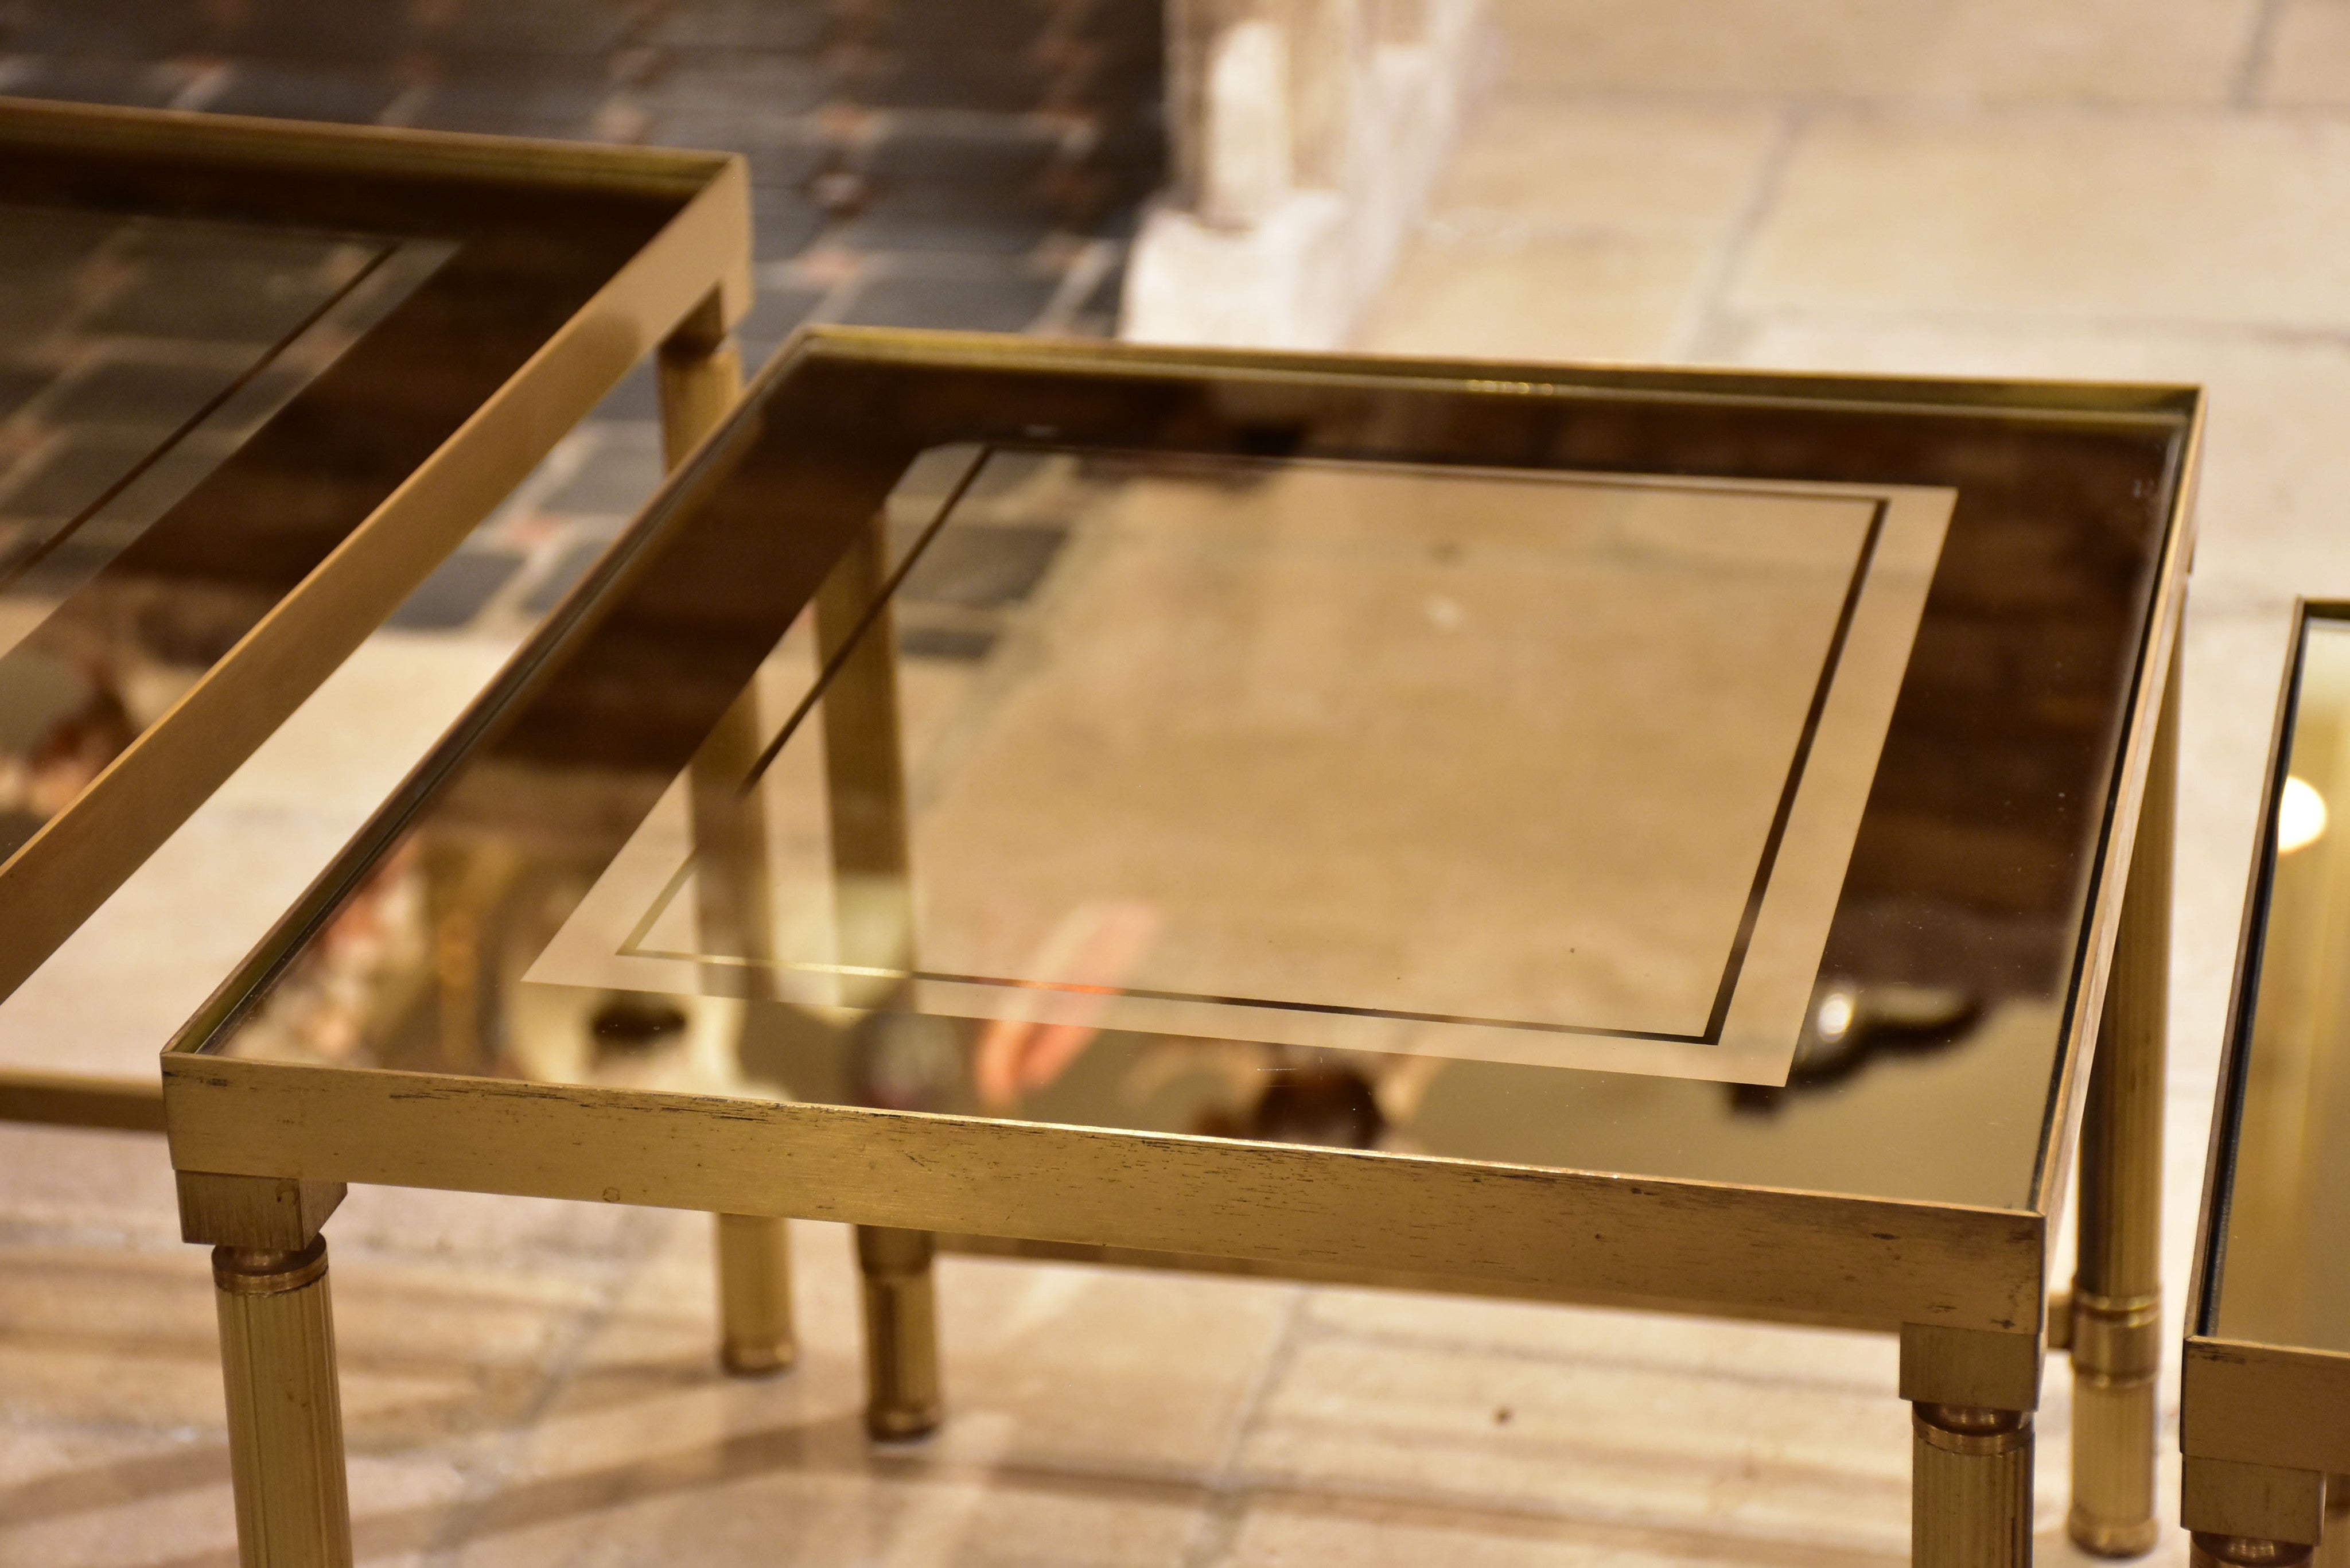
(954, 163)
(935, 162)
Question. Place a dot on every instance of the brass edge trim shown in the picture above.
(2232, 1399)
(188, 137)
(190, 1067)
(2328, 1364)
(1693, 1241)
(2156, 672)
(2155, 404)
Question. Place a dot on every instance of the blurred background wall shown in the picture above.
(926, 163)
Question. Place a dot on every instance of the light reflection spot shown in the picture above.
(2301, 817)
(1835, 1016)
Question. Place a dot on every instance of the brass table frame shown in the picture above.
(263, 1150)
(2263, 1430)
(679, 298)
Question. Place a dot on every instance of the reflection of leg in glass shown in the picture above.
(2116, 1335)
(902, 1334)
(284, 1412)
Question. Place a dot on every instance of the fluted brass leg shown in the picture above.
(754, 1295)
(285, 1410)
(2244, 1551)
(2116, 1336)
(901, 1331)
(1969, 1486)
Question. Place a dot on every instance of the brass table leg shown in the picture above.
(865, 802)
(755, 1300)
(1969, 1486)
(2116, 1344)
(701, 372)
(284, 1411)
(901, 1331)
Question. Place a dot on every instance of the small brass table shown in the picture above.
(257, 378)
(1653, 837)
(2264, 1396)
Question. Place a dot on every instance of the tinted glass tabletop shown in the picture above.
(1339, 752)
(2277, 1271)
(223, 347)
(138, 354)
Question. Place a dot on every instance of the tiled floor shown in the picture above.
(2146, 188)
(1967, 187)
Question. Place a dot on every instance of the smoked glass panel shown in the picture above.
(2282, 1270)
(137, 355)
(1348, 759)
(1517, 767)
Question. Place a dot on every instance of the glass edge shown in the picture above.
(2210, 1258)
(2160, 405)
(2173, 567)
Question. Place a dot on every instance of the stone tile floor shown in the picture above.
(2146, 188)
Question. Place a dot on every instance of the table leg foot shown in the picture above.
(285, 1410)
(1969, 1486)
(901, 1333)
(2208, 1551)
(754, 1295)
(2115, 1350)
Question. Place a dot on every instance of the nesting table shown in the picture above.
(2265, 1399)
(1670, 838)
(257, 379)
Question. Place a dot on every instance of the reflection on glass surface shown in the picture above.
(1214, 793)
(2287, 1273)
(137, 353)
(1506, 766)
